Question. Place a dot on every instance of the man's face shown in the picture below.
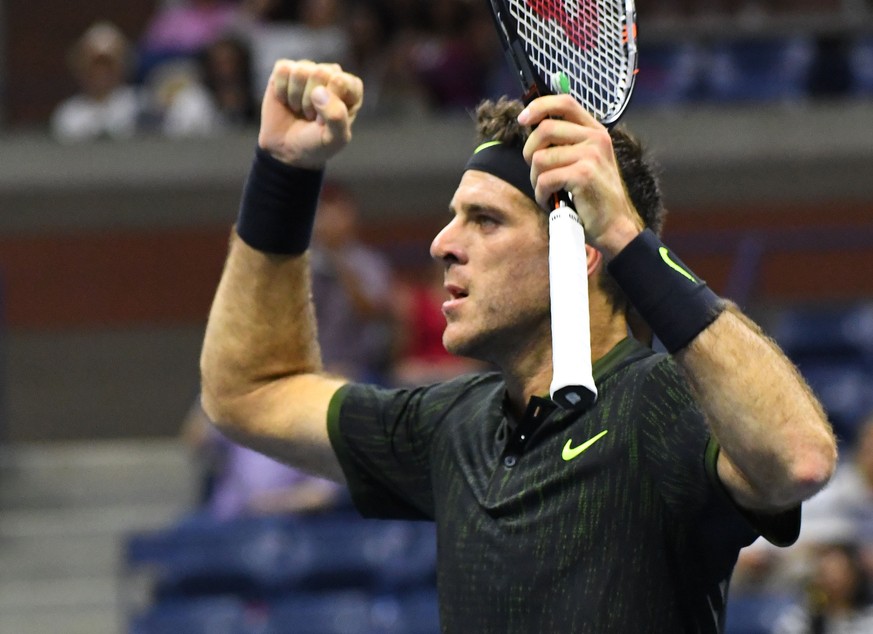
(495, 251)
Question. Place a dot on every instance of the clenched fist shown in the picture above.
(308, 112)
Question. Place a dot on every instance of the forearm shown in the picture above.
(776, 439)
(261, 326)
(260, 364)
(777, 446)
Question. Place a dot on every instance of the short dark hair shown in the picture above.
(498, 121)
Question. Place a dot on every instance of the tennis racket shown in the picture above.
(588, 49)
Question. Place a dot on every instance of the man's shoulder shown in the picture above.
(473, 386)
(633, 361)
(647, 381)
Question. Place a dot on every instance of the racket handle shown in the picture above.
(572, 380)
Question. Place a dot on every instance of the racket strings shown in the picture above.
(583, 40)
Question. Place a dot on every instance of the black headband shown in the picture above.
(505, 162)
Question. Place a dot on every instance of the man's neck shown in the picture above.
(526, 380)
(531, 374)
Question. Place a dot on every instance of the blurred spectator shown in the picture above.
(844, 509)
(316, 34)
(837, 600)
(446, 58)
(178, 103)
(227, 75)
(841, 513)
(240, 482)
(421, 357)
(204, 95)
(106, 104)
(378, 53)
(258, 11)
(411, 14)
(351, 289)
(184, 28)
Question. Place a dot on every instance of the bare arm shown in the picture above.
(777, 447)
(261, 364)
(262, 380)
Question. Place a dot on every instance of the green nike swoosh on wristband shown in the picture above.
(573, 452)
(665, 255)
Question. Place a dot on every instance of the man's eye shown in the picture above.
(486, 221)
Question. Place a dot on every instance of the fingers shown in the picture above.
(349, 89)
(553, 169)
(294, 82)
(564, 136)
(560, 120)
(555, 107)
(334, 113)
(570, 150)
(565, 155)
(318, 78)
(553, 132)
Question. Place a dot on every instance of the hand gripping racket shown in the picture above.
(586, 48)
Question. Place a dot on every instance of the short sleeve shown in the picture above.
(382, 438)
(678, 445)
(780, 529)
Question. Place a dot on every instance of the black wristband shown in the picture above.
(278, 206)
(675, 303)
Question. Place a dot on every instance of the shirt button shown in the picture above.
(509, 461)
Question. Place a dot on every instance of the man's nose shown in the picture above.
(446, 244)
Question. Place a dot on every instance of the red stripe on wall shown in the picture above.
(111, 279)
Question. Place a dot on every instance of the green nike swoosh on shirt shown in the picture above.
(572, 452)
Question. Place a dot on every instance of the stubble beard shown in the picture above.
(503, 335)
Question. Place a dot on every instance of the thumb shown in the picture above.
(334, 114)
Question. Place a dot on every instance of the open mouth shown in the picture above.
(456, 292)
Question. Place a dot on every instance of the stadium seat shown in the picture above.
(418, 613)
(861, 67)
(249, 558)
(355, 612)
(845, 392)
(211, 615)
(837, 334)
(265, 558)
(377, 554)
(330, 613)
(668, 75)
(759, 70)
(755, 613)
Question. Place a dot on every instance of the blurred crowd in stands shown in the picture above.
(200, 66)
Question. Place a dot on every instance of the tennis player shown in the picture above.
(627, 517)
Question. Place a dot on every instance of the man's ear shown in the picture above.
(595, 259)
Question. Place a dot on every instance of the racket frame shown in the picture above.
(534, 85)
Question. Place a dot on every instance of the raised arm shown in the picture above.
(777, 447)
(262, 380)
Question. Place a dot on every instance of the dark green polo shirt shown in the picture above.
(611, 520)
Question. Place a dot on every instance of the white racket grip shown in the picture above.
(572, 380)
